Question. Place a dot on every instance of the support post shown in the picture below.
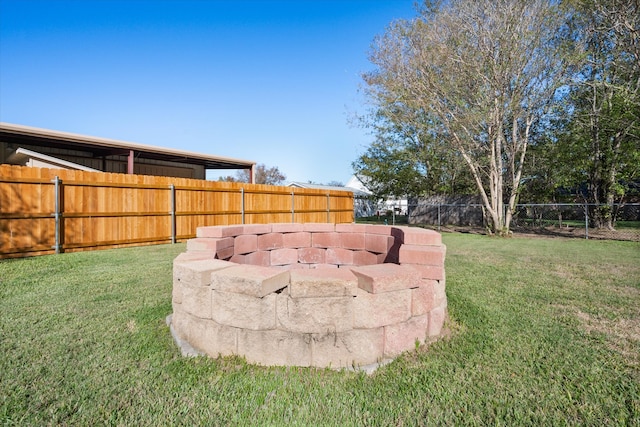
(242, 203)
(586, 221)
(328, 209)
(130, 162)
(57, 214)
(172, 189)
(293, 208)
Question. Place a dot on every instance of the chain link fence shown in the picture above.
(561, 219)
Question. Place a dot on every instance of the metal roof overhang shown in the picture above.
(102, 147)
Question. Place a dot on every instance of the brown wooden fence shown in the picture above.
(46, 210)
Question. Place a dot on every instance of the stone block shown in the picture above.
(378, 243)
(326, 240)
(275, 347)
(311, 255)
(244, 311)
(321, 266)
(318, 227)
(209, 244)
(225, 253)
(347, 349)
(354, 241)
(286, 227)
(322, 282)
(256, 228)
(351, 228)
(436, 321)
(285, 256)
(250, 280)
(196, 300)
(194, 256)
(339, 256)
(375, 310)
(425, 255)
(245, 244)
(314, 315)
(258, 258)
(364, 258)
(238, 259)
(420, 236)
(381, 278)
(403, 336)
(209, 337)
(176, 292)
(434, 272)
(197, 272)
(378, 229)
(423, 298)
(219, 231)
(267, 242)
(296, 240)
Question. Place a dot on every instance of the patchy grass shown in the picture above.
(542, 331)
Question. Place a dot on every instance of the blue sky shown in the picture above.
(270, 81)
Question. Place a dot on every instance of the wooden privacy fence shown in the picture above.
(46, 210)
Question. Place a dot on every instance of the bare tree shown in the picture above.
(480, 74)
(264, 175)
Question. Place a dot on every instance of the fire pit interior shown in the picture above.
(324, 295)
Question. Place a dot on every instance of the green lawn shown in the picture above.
(542, 332)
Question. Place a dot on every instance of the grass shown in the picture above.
(542, 332)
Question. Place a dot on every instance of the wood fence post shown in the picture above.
(293, 208)
(58, 214)
(172, 189)
(242, 203)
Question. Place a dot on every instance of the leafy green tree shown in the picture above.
(470, 81)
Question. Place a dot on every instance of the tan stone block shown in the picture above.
(251, 280)
(423, 298)
(375, 310)
(403, 336)
(198, 272)
(348, 349)
(314, 315)
(211, 338)
(176, 291)
(244, 311)
(275, 347)
(436, 321)
(322, 282)
(196, 300)
(381, 278)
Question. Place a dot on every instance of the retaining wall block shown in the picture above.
(436, 321)
(267, 242)
(262, 258)
(351, 228)
(339, 256)
(378, 243)
(423, 298)
(250, 280)
(209, 244)
(364, 258)
(296, 240)
(354, 241)
(347, 349)
(403, 336)
(376, 310)
(198, 272)
(435, 272)
(420, 236)
(245, 244)
(219, 231)
(284, 256)
(322, 282)
(425, 255)
(311, 255)
(275, 347)
(318, 227)
(211, 338)
(286, 227)
(256, 229)
(326, 240)
(379, 278)
(314, 315)
(244, 311)
(196, 300)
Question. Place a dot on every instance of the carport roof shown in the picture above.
(25, 135)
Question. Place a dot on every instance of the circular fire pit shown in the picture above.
(324, 295)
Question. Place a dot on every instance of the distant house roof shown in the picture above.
(19, 134)
(355, 191)
(23, 156)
